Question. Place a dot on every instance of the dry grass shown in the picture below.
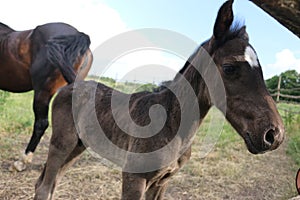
(228, 172)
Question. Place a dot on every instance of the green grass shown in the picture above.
(294, 149)
(291, 116)
(3, 98)
(16, 113)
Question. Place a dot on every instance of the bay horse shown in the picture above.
(41, 59)
(249, 109)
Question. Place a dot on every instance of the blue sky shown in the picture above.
(195, 19)
(277, 48)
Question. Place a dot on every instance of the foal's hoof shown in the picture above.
(27, 158)
(18, 166)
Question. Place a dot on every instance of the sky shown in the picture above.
(277, 48)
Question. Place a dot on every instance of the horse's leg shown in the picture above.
(40, 107)
(156, 192)
(73, 157)
(62, 153)
(40, 179)
(158, 188)
(46, 181)
(133, 186)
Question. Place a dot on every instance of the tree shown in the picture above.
(289, 85)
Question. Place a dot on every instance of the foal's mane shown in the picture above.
(233, 33)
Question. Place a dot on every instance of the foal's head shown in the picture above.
(250, 108)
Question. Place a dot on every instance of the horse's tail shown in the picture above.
(64, 50)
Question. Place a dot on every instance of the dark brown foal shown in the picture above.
(93, 115)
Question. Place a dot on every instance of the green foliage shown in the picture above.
(17, 115)
(291, 117)
(294, 149)
(290, 79)
(290, 84)
(127, 87)
(146, 87)
(3, 98)
(107, 80)
(289, 113)
(288, 118)
(272, 83)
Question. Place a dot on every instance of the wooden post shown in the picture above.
(278, 89)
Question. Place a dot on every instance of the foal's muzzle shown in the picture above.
(268, 141)
(273, 137)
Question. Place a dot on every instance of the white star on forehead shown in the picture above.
(251, 57)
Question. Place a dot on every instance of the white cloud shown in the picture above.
(145, 66)
(285, 60)
(99, 21)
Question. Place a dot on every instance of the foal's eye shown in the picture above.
(229, 69)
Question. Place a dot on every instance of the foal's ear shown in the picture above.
(224, 20)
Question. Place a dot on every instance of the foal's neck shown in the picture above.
(192, 78)
(191, 101)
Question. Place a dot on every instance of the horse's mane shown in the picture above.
(234, 32)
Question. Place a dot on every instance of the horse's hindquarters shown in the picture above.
(84, 65)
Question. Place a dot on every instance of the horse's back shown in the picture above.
(43, 33)
(15, 60)
(56, 28)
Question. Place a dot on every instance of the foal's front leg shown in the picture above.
(59, 159)
(133, 186)
(46, 182)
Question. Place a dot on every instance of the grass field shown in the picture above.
(291, 116)
(229, 171)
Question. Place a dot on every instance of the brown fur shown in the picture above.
(25, 64)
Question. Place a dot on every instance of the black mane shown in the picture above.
(234, 31)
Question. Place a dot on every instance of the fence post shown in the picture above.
(278, 89)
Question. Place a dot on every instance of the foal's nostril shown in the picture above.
(269, 137)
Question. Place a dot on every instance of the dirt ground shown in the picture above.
(226, 173)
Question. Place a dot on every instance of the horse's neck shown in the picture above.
(191, 79)
(190, 103)
(201, 91)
